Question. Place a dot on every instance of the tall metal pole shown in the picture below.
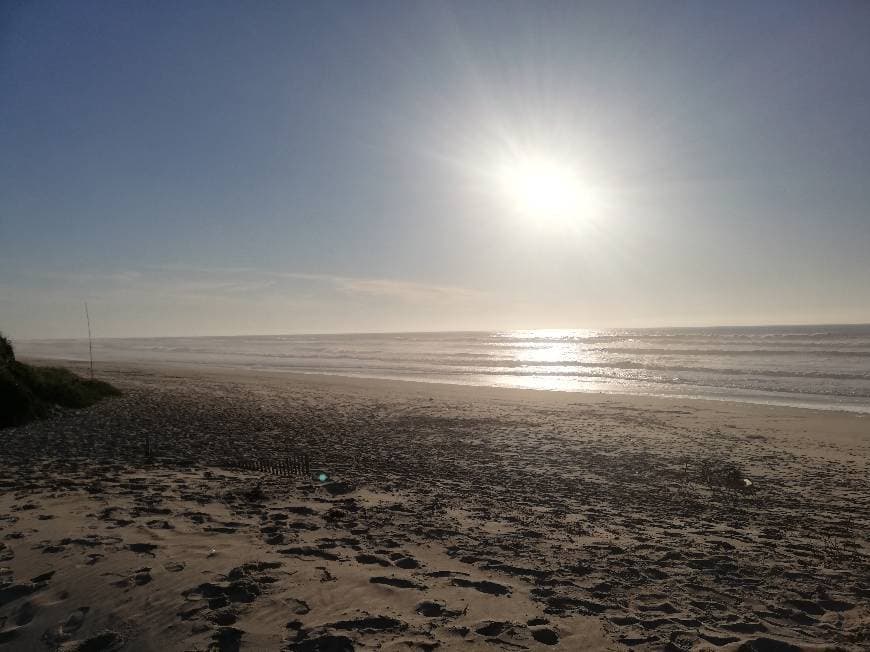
(90, 340)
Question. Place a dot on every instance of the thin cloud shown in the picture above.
(404, 290)
(185, 281)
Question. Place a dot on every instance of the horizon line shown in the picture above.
(444, 331)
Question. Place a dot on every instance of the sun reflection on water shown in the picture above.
(541, 352)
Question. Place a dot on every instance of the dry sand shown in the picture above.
(457, 518)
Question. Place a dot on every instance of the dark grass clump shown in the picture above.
(721, 473)
(7, 355)
(27, 392)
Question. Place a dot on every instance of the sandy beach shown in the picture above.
(452, 518)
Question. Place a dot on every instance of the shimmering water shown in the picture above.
(816, 366)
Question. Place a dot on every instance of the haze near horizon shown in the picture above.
(220, 168)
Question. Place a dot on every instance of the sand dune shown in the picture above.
(453, 518)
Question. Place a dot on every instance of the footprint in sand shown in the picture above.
(24, 614)
(369, 624)
(64, 631)
(105, 641)
(142, 548)
(142, 576)
(7, 635)
(484, 586)
(767, 645)
(545, 635)
(75, 620)
(446, 573)
(493, 628)
(16, 591)
(317, 640)
(398, 582)
(511, 634)
(325, 575)
(402, 561)
(433, 609)
(224, 617)
(329, 642)
(272, 535)
(227, 639)
(296, 606)
(309, 551)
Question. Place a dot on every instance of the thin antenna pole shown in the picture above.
(90, 340)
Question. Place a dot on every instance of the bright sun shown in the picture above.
(542, 189)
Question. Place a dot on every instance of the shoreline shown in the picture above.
(813, 367)
(81, 367)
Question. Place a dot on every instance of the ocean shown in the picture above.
(825, 367)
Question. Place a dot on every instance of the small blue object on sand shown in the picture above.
(322, 477)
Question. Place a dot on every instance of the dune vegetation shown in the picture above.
(28, 392)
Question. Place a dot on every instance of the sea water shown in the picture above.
(811, 366)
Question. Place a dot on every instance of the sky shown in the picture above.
(206, 168)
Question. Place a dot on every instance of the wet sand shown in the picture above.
(454, 518)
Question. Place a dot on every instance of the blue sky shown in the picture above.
(254, 167)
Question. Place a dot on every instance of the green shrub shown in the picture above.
(63, 387)
(7, 355)
(26, 392)
(18, 404)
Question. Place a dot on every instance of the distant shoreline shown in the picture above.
(116, 369)
(229, 369)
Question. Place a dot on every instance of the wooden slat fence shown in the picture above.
(289, 466)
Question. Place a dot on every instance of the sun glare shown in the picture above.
(543, 189)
